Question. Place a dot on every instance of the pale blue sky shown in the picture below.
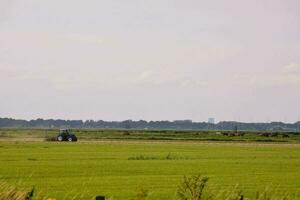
(152, 60)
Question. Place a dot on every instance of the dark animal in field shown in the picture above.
(29, 195)
(239, 134)
(126, 133)
(285, 135)
(233, 134)
(274, 134)
(265, 134)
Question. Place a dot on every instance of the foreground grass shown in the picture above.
(9, 192)
(84, 170)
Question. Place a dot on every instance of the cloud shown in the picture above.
(292, 68)
(190, 83)
(168, 76)
(86, 39)
(146, 75)
(288, 75)
(5, 7)
(285, 76)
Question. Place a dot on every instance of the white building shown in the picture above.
(211, 120)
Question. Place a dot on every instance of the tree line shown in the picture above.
(142, 124)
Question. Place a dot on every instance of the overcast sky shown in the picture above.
(150, 59)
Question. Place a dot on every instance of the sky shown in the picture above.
(150, 59)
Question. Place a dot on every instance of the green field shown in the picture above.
(115, 165)
(149, 135)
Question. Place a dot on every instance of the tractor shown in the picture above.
(66, 135)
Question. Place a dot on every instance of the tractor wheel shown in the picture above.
(70, 139)
(59, 138)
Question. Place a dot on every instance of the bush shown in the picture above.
(192, 188)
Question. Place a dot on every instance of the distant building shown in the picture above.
(211, 120)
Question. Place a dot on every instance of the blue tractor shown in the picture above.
(66, 135)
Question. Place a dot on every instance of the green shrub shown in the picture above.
(192, 188)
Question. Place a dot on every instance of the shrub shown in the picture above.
(192, 188)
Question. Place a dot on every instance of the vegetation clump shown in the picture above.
(169, 156)
(140, 194)
(8, 192)
(192, 188)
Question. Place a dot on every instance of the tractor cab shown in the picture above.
(64, 131)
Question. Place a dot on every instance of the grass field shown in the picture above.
(151, 135)
(117, 168)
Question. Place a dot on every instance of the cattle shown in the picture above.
(285, 135)
(265, 134)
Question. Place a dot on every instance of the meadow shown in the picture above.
(149, 135)
(118, 167)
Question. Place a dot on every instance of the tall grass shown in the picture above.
(8, 192)
(140, 194)
(193, 188)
